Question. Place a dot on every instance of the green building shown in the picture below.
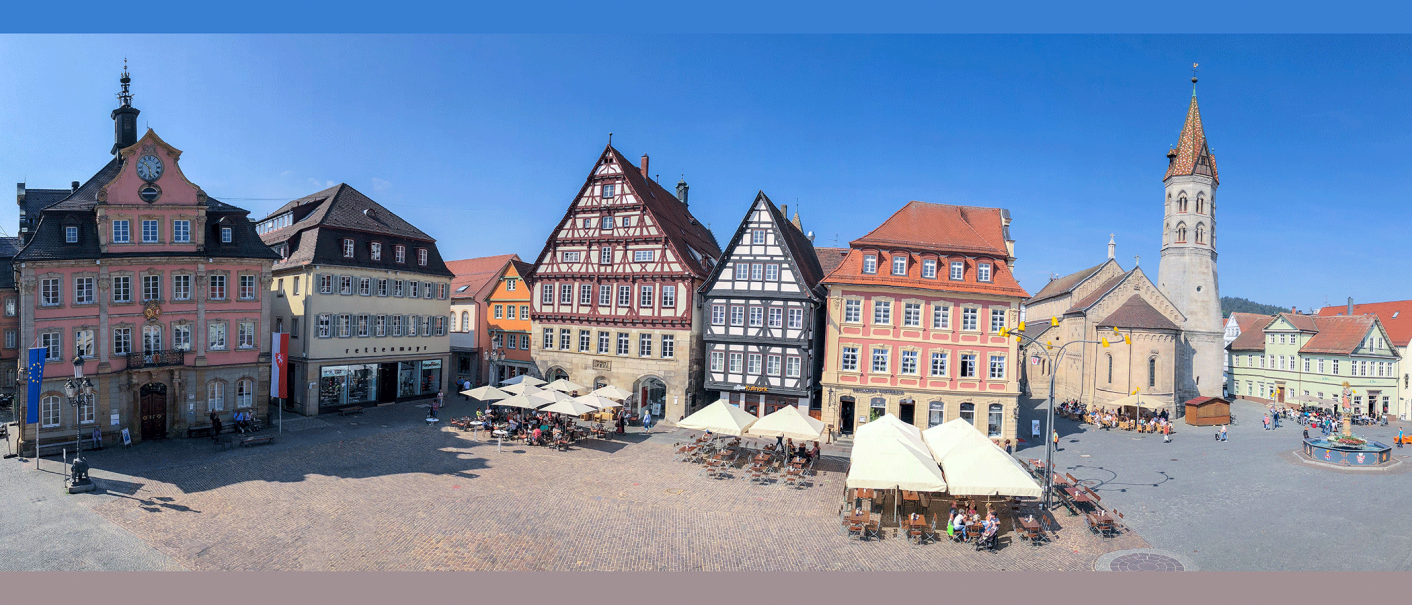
(1300, 359)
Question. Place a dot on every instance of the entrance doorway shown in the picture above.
(556, 374)
(845, 415)
(905, 410)
(652, 395)
(1279, 394)
(387, 382)
(153, 410)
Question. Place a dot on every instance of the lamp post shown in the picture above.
(496, 355)
(79, 391)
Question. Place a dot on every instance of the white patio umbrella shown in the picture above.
(572, 407)
(486, 393)
(788, 422)
(598, 401)
(521, 389)
(547, 397)
(613, 393)
(519, 401)
(719, 417)
(523, 379)
(563, 385)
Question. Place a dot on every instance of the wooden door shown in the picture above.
(154, 416)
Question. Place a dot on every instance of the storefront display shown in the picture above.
(342, 385)
(431, 376)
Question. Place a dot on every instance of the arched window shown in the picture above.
(1181, 233)
(995, 418)
(936, 413)
(1181, 203)
(244, 393)
(1151, 372)
(1200, 203)
(216, 396)
(968, 413)
(465, 321)
(1200, 233)
(1110, 369)
(878, 407)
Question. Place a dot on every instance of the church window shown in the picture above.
(1110, 368)
(1200, 204)
(1151, 372)
(1181, 233)
(1181, 203)
(1200, 234)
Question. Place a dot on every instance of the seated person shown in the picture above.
(958, 524)
(814, 453)
(535, 435)
(802, 453)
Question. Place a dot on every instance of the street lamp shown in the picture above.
(79, 390)
(496, 355)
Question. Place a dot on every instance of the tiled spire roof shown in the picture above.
(1192, 155)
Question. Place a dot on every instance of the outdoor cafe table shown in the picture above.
(761, 458)
(1077, 494)
(863, 493)
(1061, 481)
(911, 496)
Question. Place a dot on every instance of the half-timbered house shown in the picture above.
(765, 306)
(615, 285)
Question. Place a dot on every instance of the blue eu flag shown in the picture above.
(36, 380)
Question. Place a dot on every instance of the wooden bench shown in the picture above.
(261, 440)
(198, 431)
(350, 410)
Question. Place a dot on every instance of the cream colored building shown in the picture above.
(365, 298)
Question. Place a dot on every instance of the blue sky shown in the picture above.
(482, 141)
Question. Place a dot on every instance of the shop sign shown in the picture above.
(431, 364)
(877, 392)
(335, 371)
(599, 364)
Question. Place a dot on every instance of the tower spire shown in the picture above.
(125, 116)
(1192, 155)
(125, 97)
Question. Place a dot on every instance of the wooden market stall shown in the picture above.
(1208, 411)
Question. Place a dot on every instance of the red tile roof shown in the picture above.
(1338, 335)
(1252, 332)
(1193, 156)
(477, 274)
(926, 226)
(1396, 317)
(1136, 313)
(1251, 321)
(830, 258)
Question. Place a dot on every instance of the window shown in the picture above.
(995, 417)
(737, 315)
(245, 333)
(882, 312)
(414, 289)
(375, 251)
(244, 393)
(852, 311)
(939, 363)
(912, 314)
(796, 319)
(570, 257)
(509, 285)
(909, 362)
(151, 339)
(603, 343)
(399, 288)
(121, 233)
(929, 268)
(422, 256)
(151, 287)
(216, 333)
(606, 223)
(624, 296)
(87, 411)
(345, 326)
(524, 312)
(1151, 372)
(149, 232)
(983, 272)
(566, 294)
(776, 318)
(1109, 359)
(399, 253)
(644, 345)
(607, 191)
(225, 235)
(968, 318)
(380, 325)
(642, 256)
(247, 287)
(877, 407)
(772, 272)
(216, 396)
(11, 339)
(957, 270)
(499, 311)
(397, 325)
(997, 320)
(181, 231)
(623, 343)
(936, 413)
(49, 412)
(736, 360)
(757, 272)
(757, 237)
(218, 287)
(646, 297)
(49, 292)
(122, 341)
(181, 337)
(870, 263)
(772, 365)
(997, 367)
(122, 289)
(605, 255)
(71, 235)
(899, 264)
(669, 297)
(83, 290)
(941, 317)
(546, 294)
(325, 326)
(880, 360)
(718, 361)
(585, 294)
(325, 284)
(791, 367)
(718, 315)
(365, 285)
(605, 295)
(83, 342)
(1335, 368)
(585, 341)
(752, 363)
(757, 317)
(566, 339)
(848, 360)
(968, 366)
(362, 326)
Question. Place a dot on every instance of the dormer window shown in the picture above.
(958, 270)
(899, 264)
(347, 248)
(399, 253)
(71, 235)
(375, 251)
(870, 263)
(983, 272)
(608, 191)
(225, 235)
(929, 269)
(422, 256)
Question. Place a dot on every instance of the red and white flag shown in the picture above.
(279, 364)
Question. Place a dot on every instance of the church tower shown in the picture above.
(1187, 273)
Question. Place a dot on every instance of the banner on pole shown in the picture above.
(279, 364)
(34, 384)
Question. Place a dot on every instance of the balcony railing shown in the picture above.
(153, 359)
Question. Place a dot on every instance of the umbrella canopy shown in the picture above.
(486, 393)
(788, 422)
(974, 465)
(598, 401)
(1149, 402)
(520, 401)
(564, 386)
(613, 393)
(572, 407)
(719, 417)
(941, 438)
(523, 379)
(884, 458)
(547, 397)
(521, 389)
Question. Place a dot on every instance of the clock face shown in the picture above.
(149, 167)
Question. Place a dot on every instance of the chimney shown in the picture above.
(644, 166)
(1350, 306)
(73, 185)
(1111, 246)
(784, 211)
(681, 191)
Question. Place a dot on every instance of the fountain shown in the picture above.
(1347, 449)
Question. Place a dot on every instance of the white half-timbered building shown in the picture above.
(615, 286)
(764, 309)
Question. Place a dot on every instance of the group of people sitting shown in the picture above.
(799, 451)
(1144, 421)
(1071, 408)
(536, 428)
(959, 519)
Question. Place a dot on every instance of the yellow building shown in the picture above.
(507, 319)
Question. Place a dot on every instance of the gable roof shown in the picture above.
(1250, 321)
(1137, 313)
(1103, 289)
(1396, 317)
(793, 242)
(964, 229)
(1339, 334)
(830, 258)
(1064, 285)
(1303, 323)
(344, 207)
(522, 268)
(1252, 332)
(477, 275)
(1192, 155)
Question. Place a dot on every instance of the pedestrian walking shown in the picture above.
(646, 420)
(1223, 432)
(436, 403)
(1166, 433)
(215, 426)
(1266, 422)
(1399, 438)
(1056, 441)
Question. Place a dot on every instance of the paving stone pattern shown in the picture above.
(1146, 562)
